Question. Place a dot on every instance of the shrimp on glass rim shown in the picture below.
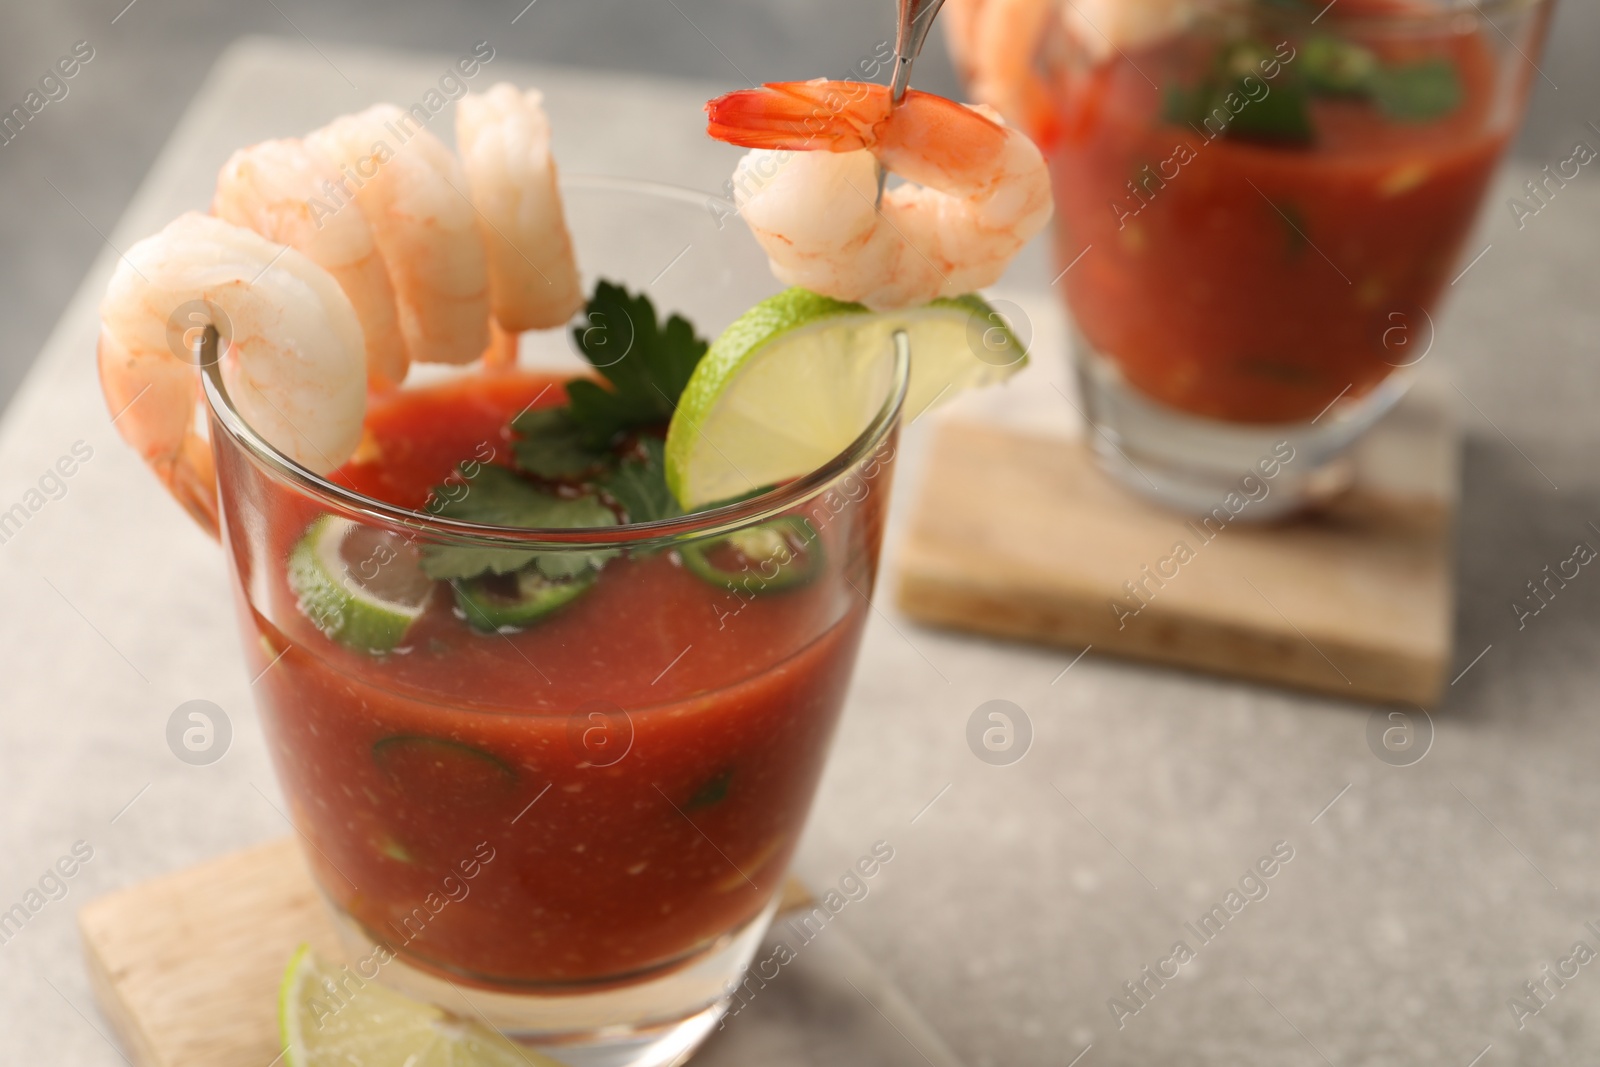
(976, 190)
(332, 264)
(276, 188)
(503, 136)
(294, 364)
(414, 196)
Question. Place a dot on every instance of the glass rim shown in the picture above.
(721, 519)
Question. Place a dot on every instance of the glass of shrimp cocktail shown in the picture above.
(548, 660)
(557, 773)
(1262, 204)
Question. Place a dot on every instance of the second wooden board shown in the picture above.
(1020, 535)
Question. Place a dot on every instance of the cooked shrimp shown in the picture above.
(982, 189)
(162, 426)
(282, 191)
(295, 366)
(504, 138)
(414, 196)
(994, 44)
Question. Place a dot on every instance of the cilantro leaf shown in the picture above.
(1221, 105)
(1406, 92)
(552, 446)
(1417, 92)
(1236, 101)
(446, 562)
(1336, 67)
(498, 497)
(1282, 116)
(646, 363)
(713, 792)
(640, 485)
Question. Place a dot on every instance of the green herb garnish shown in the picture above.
(646, 362)
(1336, 67)
(712, 792)
(1406, 92)
(639, 484)
(604, 439)
(1417, 92)
(598, 449)
(1236, 100)
(1280, 117)
(498, 497)
(553, 447)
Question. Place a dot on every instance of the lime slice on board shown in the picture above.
(796, 378)
(361, 586)
(377, 1027)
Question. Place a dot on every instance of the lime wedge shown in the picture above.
(334, 1018)
(796, 378)
(361, 586)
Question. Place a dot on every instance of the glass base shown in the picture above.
(656, 1022)
(1195, 465)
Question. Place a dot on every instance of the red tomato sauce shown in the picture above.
(711, 714)
(1257, 282)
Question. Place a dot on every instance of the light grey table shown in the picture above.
(1418, 900)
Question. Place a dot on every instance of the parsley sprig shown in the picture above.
(595, 461)
(499, 497)
(638, 485)
(606, 436)
(646, 362)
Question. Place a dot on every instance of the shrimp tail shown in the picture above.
(502, 351)
(842, 116)
(192, 481)
(816, 115)
(180, 458)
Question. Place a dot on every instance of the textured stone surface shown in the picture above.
(1023, 898)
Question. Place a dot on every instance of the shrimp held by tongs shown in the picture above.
(294, 361)
(976, 190)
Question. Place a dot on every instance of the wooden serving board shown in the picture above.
(186, 967)
(1017, 534)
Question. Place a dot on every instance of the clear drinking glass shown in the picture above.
(1258, 214)
(574, 828)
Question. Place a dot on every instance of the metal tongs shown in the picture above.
(916, 19)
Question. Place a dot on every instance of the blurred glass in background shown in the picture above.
(67, 175)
